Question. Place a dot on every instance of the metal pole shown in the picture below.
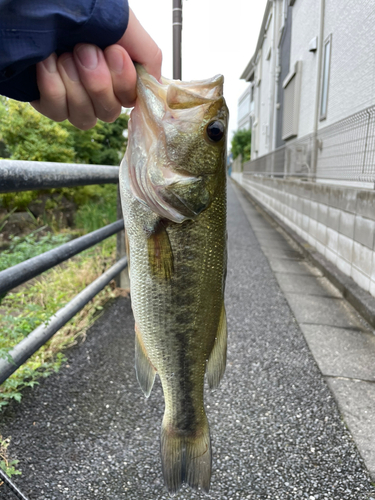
(30, 344)
(177, 35)
(12, 486)
(20, 273)
(314, 158)
(122, 279)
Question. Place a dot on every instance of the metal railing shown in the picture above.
(21, 176)
(345, 152)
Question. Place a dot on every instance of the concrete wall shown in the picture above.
(338, 221)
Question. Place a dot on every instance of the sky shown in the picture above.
(218, 37)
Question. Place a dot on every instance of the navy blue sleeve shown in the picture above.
(31, 30)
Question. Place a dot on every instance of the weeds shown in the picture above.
(8, 466)
(23, 248)
(99, 211)
(24, 310)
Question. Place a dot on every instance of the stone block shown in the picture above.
(362, 259)
(356, 400)
(322, 213)
(361, 279)
(343, 198)
(344, 265)
(345, 248)
(314, 210)
(341, 352)
(313, 228)
(306, 207)
(364, 231)
(320, 247)
(305, 223)
(332, 239)
(321, 193)
(330, 255)
(366, 204)
(321, 233)
(347, 222)
(333, 218)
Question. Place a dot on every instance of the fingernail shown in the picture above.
(70, 69)
(88, 56)
(115, 61)
(50, 64)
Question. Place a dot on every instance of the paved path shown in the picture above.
(88, 433)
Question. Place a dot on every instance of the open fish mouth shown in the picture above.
(168, 127)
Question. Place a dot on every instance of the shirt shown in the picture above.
(31, 30)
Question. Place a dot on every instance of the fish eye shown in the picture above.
(215, 130)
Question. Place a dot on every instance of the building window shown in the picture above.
(325, 78)
(292, 92)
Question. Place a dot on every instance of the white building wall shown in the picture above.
(263, 92)
(243, 110)
(352, 72)
(305, 26)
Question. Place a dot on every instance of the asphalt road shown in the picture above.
(88, 432)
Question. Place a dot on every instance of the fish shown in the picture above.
(173, 194)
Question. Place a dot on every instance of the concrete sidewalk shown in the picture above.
(88, 432)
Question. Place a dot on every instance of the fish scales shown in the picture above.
(173, 190)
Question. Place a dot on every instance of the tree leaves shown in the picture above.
(241, 144)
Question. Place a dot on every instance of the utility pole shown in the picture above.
(177, 35)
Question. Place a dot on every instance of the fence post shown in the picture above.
(122, 279)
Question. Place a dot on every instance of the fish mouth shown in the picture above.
(176, 94)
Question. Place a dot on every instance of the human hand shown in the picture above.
(91, 84)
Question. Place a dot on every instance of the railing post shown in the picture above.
(122, 279)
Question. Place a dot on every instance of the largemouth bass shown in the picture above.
(173, 191)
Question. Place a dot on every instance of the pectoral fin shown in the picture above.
(160, 255)
(218, 357)
(145, 370)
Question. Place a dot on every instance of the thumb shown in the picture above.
(141, 47)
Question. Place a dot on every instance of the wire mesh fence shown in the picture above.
(345, 151)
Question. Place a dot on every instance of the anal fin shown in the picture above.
(160, 254)
(218, 358)
(143, 367)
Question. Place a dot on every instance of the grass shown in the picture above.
(98, 211)
(23, 310)
(23, 248)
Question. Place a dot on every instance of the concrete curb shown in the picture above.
(361, 300)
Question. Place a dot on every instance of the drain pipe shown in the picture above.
(314, 159)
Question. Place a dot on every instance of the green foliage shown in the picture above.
(31, 305)
(241, 144)
(28, 135)
(25, 134)
(8, 466)
(99, 211)
(104, 144)
(25, 248)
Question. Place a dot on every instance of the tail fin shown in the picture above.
(186, 457)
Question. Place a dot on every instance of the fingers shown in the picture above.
(91, 84)
(81, 111)
(123, 73)
(141, 47)
(86, 85)
(96, 79)
(52, 102)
